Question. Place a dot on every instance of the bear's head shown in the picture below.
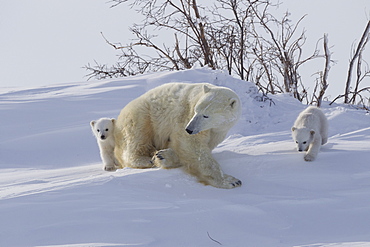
(102, 128)
(218, 108)
(302, 137)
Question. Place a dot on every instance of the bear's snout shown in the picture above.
(189, 131)
(103, 137)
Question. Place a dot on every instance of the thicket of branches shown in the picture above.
(356, 94)
(242, 37)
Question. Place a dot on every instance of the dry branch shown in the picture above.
(240, 36)
(358, 51)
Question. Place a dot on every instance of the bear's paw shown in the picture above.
(110, 168)
(309, 157)
(231, 182)
(166, 159)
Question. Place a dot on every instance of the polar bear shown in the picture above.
(103, 130)
(178, 125)
(310, 131)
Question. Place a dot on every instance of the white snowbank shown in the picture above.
(53, 191)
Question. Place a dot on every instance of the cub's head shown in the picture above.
(102, 128)
(302, 137)
(219, 109)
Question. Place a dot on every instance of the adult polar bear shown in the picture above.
(178, 125)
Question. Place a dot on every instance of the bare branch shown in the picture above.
(358, 50)
(324, 81)
(239, 36)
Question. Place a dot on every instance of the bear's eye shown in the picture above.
(205, 116)
(296, 142)
(98, 130)
(106, 129)
(304, 142)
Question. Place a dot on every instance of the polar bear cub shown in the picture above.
(310, 131)
(103, 130)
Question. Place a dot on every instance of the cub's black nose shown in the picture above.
(103, 137)
(189, 131)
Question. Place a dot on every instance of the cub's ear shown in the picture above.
(294, 128)
(92, 123)
(113, 120)
(206, 89)
(233, 102)
(312, 132)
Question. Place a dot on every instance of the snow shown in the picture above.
(54, 192)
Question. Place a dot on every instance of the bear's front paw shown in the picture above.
(231, 182)
(166, 159)
(159, 159)
(236, 184)
(160, 155)
(309, 157)
(110, 168)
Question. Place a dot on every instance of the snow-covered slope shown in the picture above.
(53, 191)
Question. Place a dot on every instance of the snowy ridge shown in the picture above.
(53, 191)
(25, 181)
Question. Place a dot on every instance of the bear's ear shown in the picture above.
(312, 132)
(233, 102)
(294, 128)
(206, 89)
(92, 123)
(113, 120)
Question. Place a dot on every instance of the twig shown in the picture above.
(213, 239)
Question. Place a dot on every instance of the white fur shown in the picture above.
(310, 131)
(178, 125)
(103, 130)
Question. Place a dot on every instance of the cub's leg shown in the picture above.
(324, 129)
(109, 161)
(324, 135)
(313, 149)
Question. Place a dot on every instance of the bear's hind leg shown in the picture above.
(128, 158)
(140, 162)
(139, 151)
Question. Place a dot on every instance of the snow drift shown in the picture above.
(53, 190)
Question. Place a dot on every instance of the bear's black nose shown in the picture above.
(103, 137)
(189, 131)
